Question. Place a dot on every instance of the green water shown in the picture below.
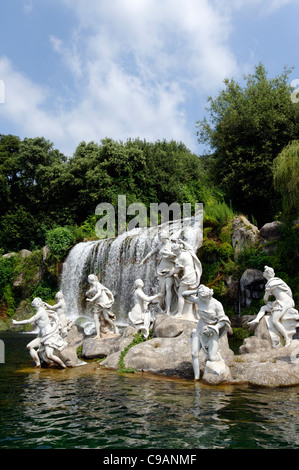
(90, 408)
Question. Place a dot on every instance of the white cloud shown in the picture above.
(136, 61)
(27, 6)
(134, 65)
(24, 101)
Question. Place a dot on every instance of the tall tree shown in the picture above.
(286, 178)
(249, 126)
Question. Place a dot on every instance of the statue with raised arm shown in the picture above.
(211, 326)
(48, 339)
(60, 309)
(165, 265)
(284, 318)
(103, 300)
(140, 316)
(187, 272)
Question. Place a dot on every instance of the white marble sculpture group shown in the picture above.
(53, 326)
(181, 296)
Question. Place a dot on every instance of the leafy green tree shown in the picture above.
(249, 126)
(286, 178)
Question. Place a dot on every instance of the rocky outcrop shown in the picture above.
(102, 347)
(269, 235)
(244, 234)
(167, 353)
(270, 231)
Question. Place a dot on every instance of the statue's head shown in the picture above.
(59, 295)
(92, 278)
(205, 292)
(177, 248)
(164, 235)
(139, 283)
(37, 302)
(268, 272)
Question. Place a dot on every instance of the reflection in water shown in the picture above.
(88, 407)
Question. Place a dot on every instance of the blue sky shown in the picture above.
(78, 70)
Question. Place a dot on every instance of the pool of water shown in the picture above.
(91, 408)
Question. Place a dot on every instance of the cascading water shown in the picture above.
(117, 262)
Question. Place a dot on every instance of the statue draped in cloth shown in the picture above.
(165, 265)
(103, 316)
(186, 271)
(211, 326)
(283, 321)
(140, 315)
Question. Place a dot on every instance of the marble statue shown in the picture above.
(284, 318)
(60, 309)
(187, 272)
(211, 326)
(103, 300)
(48, 339)
(165, 265)
(140, 316)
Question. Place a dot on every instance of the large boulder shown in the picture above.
(271, 231)
(69, 355)
(259, 364)
(269, 235)
(268, 367)
(168, 352)
(102, 347)
(244, 234)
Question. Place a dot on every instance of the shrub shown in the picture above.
(217, 214)
(60, 240)
(44, 292)
(225, 250)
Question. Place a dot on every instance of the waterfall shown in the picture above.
(117, 262)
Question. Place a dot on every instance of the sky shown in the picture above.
(84, 70)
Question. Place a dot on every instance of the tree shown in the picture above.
(249, 126)
(286, 178)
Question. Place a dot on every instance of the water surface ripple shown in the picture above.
(90, 408)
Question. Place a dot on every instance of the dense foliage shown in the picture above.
(286, 178)
(41, 189)
(247, 129)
